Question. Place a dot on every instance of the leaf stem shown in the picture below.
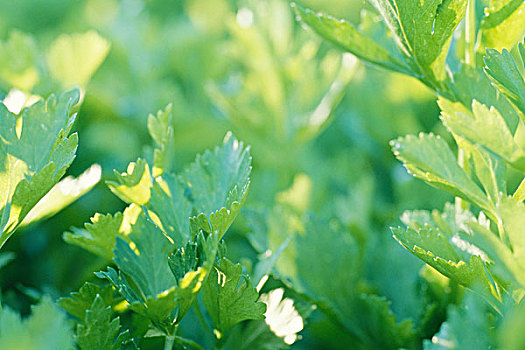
(170, 340)
(184, 341)
(470, 59)
(460, 203)
(470, 34)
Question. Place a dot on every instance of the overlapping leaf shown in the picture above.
(99, 331)
(432, 247)
(230, 297)
(506, 77)
(429, 158)
(145, 279)
(486, 127)
(33, 159)
(78, 302)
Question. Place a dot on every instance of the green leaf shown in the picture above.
(73, 58)
(429, 158)
(172, 207)
(79, 302)
(45, 329)
(190, 265)
(145, 258)
(99, 236)
(486, 127)
(504, 73)
(154, 284)
(506, 266)
(145, 280)
(380, 326)
(165, 236)
(423, 31)
(33, 159)
(512, 214)
(471, 83)
(347, 37)
(489, 169)
(503, 25)
(229, 296)
(446, 226)
(161, 132)
(63, 194)
(99, 331)
(219, 183)
(430, 245)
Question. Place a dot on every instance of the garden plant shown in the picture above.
(307, 181)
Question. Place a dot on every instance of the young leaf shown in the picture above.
(45, 329)
(512, 215)
(490, 170)
(281, 315)
(33, 161)
(79, 302)
(99, 331)
(190, 266)
(161, 132)
(229, 296)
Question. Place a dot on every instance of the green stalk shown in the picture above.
(470, 59)
(470, 34)
(183, 342)
(170, 340)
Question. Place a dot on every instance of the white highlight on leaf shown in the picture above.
(281, 316)
(245, 17)
(16, 100)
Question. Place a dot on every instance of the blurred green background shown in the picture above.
(246, 66)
